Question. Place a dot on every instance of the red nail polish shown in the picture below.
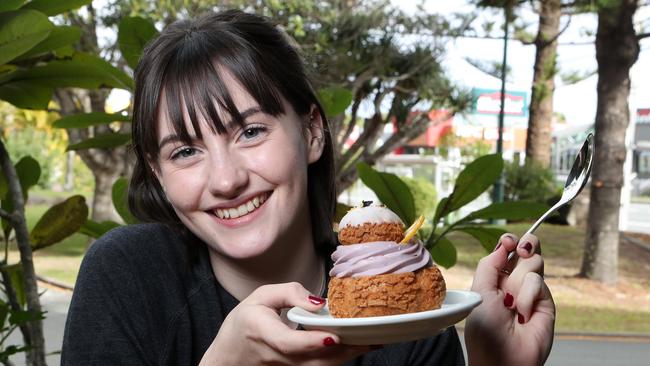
(497, 247)
(328, 342)
(520, 318)
(527, 247)
(508, 300)
(316, 300)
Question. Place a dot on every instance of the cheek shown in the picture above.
(183, 190)
(282, 163)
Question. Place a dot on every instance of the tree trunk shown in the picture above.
(106, 164)
(617, 49)
(69, 172)
(538, 136)
(34, 339)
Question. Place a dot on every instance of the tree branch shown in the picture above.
(6, 215)
(642, 36)
(36, 353)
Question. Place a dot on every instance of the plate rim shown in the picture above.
(473, 300)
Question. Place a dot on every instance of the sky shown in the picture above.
(577, 102)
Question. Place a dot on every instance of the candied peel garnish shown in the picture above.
(412, 230)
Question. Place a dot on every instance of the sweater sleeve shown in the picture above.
(107, 321)
(444, 350)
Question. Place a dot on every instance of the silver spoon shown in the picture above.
(575, 182)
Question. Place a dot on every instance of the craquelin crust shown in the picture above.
(386, 294)
(368, 232)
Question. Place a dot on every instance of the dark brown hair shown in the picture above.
(181, 61)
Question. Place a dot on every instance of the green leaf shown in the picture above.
(104, 141)
(54, 7)
(487, 236)
(26, 94)
(28, 171)
(335, 100)
(439, 210)
(59, 36)
(133, 35)
(96, 229)
(444, 253)
(89, 119)
(16, 276)
(341, 210)
(20, 30)
(120, 200)
(7, 5)
(4, 187)
(390, 190)
(475, 179)
(4, 311)
(82, 71)
(59, 222)
(516, 210)
(24, 316)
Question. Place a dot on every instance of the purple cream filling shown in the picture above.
(380, 257)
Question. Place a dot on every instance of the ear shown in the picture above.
(315, 135)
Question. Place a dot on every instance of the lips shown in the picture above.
(243, 209)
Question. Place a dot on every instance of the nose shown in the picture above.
(227, 175)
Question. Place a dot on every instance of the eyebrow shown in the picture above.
(172, 137)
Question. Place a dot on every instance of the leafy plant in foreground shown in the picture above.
(477, 177)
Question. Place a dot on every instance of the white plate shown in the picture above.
(393, 328)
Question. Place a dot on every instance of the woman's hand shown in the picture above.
(514, 324)
(254, 334)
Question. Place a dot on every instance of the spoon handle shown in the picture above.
(539, 221)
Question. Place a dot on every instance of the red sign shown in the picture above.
(643, 115)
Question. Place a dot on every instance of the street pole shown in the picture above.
(498, 185)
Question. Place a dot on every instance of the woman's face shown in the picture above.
(243, 191)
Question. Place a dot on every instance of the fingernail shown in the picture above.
(527, 247)
(508, 300)
(497, 247)
(520, 318)
(316, 300)
(329, 341)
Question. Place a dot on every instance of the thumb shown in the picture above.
(285, 295)
(489, 268)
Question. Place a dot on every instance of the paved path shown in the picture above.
(56, 303)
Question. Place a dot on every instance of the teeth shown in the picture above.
(246, 208)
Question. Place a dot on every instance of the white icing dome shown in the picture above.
(369, 214)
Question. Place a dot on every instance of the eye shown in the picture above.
(184, 152)
(252, 132)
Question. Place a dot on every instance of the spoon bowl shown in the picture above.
(575, 182)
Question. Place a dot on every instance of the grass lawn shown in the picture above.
(60, 261)
(582, 305)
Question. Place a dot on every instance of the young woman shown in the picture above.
(234, 181)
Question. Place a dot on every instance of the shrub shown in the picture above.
(529, 182)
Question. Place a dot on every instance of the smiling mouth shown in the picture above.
(243, 209)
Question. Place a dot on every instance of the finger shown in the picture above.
(508, 241)
(489, 267)
(284, 295)
(528, 245)
(533, 290)
(515, 281)
(290, 342)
